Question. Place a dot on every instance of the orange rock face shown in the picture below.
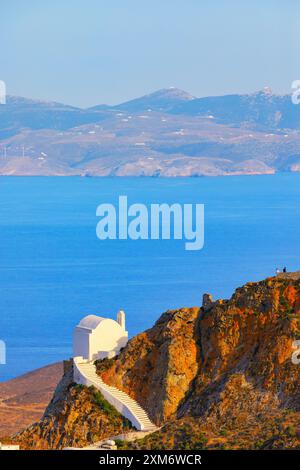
(185, 363)
(158, 366)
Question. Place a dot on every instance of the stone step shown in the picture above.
(89, 372)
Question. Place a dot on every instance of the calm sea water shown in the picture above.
(53, 269)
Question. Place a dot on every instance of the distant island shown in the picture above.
(219, 376)
(167, 133)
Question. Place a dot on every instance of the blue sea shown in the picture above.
(54, 270)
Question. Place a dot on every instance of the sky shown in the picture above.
(90, 52)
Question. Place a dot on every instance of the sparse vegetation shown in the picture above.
(98, 399)
(104, 364)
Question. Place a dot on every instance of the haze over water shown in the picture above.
(54, 270)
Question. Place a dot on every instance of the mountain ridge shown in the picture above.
(165, 133)
(172, 92)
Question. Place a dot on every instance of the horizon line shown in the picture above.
(265, 90)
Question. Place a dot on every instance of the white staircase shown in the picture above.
(85, 373)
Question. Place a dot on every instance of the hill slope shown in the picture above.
(75, 416)
(24, 399)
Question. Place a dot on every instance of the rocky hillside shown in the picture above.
(219, 376)
(158, 367)
(76, 416)
(227, 365)
(193, 357)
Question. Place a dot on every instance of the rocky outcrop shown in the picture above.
(203, 361)
(158, 366)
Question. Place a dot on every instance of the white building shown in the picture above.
(100, 338)
(97, 337)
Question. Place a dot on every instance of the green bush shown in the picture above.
(77, 387)
(119, 443)
(290, 431)
(99, 400)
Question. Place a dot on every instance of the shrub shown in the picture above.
(104, 364)
(99, 400)
(290, 431)
(77, 387)
(119, 443)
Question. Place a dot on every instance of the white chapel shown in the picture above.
(97, 337)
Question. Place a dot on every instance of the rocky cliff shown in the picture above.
(216, 376)
(192, 359)
(158, 367)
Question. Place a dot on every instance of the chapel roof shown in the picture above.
(90, 322)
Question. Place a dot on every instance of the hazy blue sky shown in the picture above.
(86, 52)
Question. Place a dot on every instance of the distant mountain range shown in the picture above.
(166, 133)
